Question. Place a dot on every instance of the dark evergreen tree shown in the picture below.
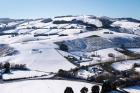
(64, 47)
(80, 58)
(7, 67)
(47, 20)
(95, 89)
(106, 87)
(68, 90)
(84, 90)
(114, 86)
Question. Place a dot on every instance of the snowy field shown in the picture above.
(40, 53)
(125, 65)
(25, 74)
(43, 86)
(39, 56)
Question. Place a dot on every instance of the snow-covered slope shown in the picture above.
(101, 39)
(89, 39)
(39, 56)
(45, 86)
(128, 27)
(36, 39)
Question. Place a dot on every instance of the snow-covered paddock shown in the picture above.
(43, 86)
(39, 55)
(17, 75)
(125, 65)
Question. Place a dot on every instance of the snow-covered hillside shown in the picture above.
(45, 86)
(38, 56)
(64, 43)
(37, 41)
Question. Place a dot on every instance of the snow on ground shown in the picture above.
(64, 18)
(86, 19)
(29, 24)
(2, 25)
(136, 50)
(39, 56)
(92, 71)
(105, 33)
(43, 86)
(39, 24)
(68, 54)
(71, 31)
(11, 31)
(88, 63)
(103, 53)
(126, 24)
(133, 89)
(39, 53)
(24, 74)
(101, 56)
(131, 27)
(21, 38)
(40, 31)
(84, 74)
(82, 62)
(137, 69)
(73, 34)
(124, 65)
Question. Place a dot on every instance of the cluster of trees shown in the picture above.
(61, 22)
(106, 87)
(64, 47)
(109, 81)
(34, 27)
(136, 65)
(75, 21)
(63, 35)
(111, 84)
(111, 55)
(7, 28)
(66, 74)
(94, 89)
(90, 28)
(8, 66)
(101, 77)
(125, 82)
(64, 16)
(54, 27)
(95, 78)
(47, 20)
(73, 73)
(36, 35)
(71, 58)
(19, 66)
(106, 22)
(124, 50)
